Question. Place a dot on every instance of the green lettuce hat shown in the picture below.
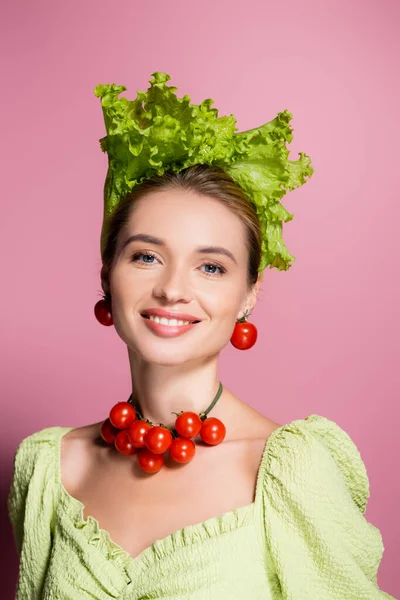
(159, 131)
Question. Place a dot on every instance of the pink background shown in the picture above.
(328, 328)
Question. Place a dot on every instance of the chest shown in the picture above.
(223, 558)
(137, 509)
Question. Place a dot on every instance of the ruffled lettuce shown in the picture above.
(159, 131)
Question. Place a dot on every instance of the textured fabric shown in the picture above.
(304, 537)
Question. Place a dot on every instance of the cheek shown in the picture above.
(223, 304)
(126, 286)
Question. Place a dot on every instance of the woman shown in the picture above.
(228, 504)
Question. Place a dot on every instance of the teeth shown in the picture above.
(171, 322)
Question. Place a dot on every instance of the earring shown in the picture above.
(244, 335)
(102, 311)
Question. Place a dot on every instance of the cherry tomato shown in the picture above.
(188, 424)
(148, 461)
(158, 439)
(244, 335)
(182, 450)
(108, 431)
(137, 432)
(212, 431)
(122, 415)
(123, 444)
(103, 313)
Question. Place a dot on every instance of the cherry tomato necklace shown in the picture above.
(130, 433)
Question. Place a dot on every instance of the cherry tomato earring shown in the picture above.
(102, 311)
(244, 335)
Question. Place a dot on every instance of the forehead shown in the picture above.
(184, 218)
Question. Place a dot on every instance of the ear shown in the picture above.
(250, 298)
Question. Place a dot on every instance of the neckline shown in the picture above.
(146, 556)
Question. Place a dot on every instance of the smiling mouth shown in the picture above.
(147, 317)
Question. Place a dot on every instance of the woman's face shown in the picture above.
(179, 269)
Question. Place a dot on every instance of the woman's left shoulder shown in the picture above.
(314, 492)
(318, 448)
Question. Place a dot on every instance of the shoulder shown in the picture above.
(77, 453)
(313, 454)
(37, 458)
(314, 495)
(35, 447)
(34, 460)
(34, 469)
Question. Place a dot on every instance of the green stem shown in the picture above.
(202, 415)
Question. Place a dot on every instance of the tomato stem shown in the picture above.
(203, 415)
(243, 319)
(177, 414)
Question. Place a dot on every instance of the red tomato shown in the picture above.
(212, 431)
(182, 450)
(108, 431)
(244, 335)
(123, 444)
(137, 432)
(103, 313)
(122, 415)
(148, 461)
(188, 424)
(158, 439)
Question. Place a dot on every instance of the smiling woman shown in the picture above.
(179, 239)
(184, 490)
(200, 246)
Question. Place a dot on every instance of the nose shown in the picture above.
(173, 285)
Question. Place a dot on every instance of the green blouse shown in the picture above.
(304, 537)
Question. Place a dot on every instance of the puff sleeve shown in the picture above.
(30, 504)
(315, 492)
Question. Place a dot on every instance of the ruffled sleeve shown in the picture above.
(315, 492)
(30, 504)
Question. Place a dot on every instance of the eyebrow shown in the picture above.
(150, 239)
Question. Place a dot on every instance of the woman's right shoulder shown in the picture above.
(42, 438)
(77, 451)
(42, 447)
(36, 454)
(34, 469)
(38, 442)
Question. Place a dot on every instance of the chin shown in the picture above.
(165, 351)
(165, 356)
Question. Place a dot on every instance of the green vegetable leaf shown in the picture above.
(159, 131)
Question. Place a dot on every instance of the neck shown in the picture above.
(162, 390)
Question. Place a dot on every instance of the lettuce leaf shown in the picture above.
(159, 131)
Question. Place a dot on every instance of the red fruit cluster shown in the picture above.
(131, 435)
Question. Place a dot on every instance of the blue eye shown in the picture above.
(219, 270)
(147, 254)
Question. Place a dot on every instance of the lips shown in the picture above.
(167, 331)
(168, 314)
